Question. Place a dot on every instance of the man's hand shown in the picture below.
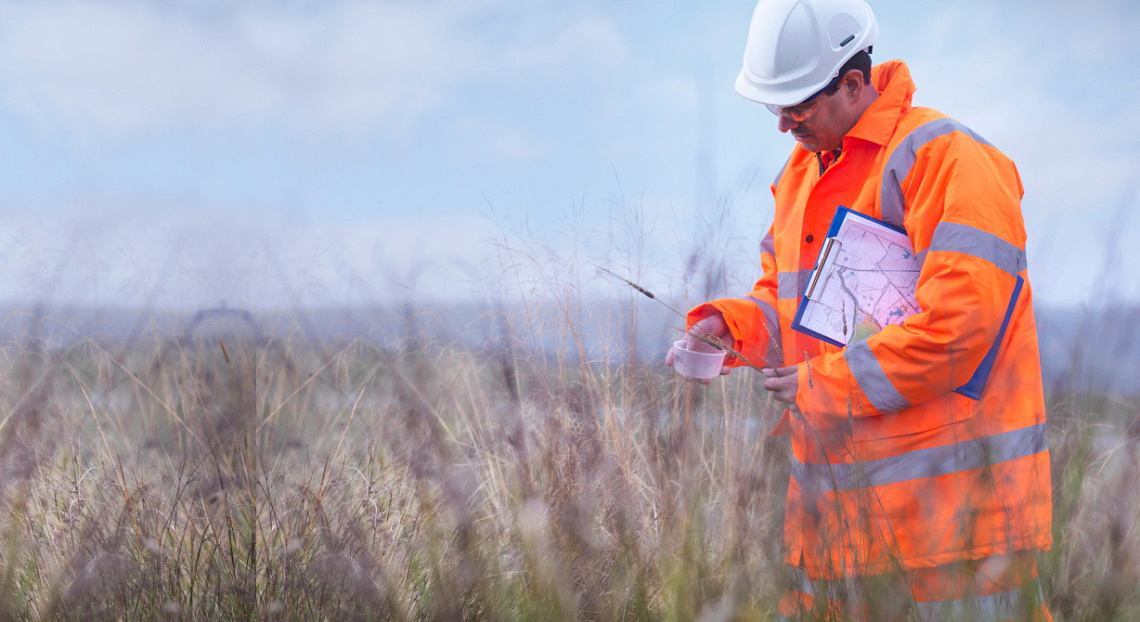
(712, 326)
(783, 382)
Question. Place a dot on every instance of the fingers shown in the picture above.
(701, 342)
(688, 339)
(712, 328)
(783, 383)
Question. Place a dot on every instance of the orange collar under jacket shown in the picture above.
(891, 467)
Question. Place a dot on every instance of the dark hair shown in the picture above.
(860, 62)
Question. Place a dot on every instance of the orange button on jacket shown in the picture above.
(891, 467)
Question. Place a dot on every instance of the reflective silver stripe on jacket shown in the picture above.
(872, 379)
(1012, 605)
(922, 463)
(791, 285)
(775, 355)
(902, 160)
(950, 236)
(768, 244)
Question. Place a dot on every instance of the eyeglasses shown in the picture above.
(801, 111)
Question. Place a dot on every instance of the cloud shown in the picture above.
(122, 68)
(585, 42)
(481, 138)
(127, 68)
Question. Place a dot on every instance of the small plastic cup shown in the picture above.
(696, 364)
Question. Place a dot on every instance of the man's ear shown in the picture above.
(852, 84)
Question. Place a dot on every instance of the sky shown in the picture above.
(190, 153)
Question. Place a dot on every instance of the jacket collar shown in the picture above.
(892, 80)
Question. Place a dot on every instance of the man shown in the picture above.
(899, 485)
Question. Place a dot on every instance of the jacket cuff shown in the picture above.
(743, 341)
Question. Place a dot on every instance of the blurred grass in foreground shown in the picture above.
(227, 475)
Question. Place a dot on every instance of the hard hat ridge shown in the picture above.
(795, 47)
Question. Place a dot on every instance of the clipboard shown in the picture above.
(858, 252)
(819, 312)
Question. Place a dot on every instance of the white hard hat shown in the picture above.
(796, 47)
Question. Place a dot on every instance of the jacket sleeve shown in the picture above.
(963, 215)
(752, 318)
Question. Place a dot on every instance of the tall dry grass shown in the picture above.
(226, 475)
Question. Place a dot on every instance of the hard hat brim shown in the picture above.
(777, 96)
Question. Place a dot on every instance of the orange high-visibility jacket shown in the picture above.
(891, 468)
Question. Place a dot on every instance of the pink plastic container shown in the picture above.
(697, 364)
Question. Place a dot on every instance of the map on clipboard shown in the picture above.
(865, 279)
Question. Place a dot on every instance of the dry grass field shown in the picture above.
(232, 476)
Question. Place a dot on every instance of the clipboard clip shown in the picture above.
(828, 245)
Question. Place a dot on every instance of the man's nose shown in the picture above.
(786, 123)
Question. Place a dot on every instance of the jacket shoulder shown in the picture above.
(921, 127)
(924, 140)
